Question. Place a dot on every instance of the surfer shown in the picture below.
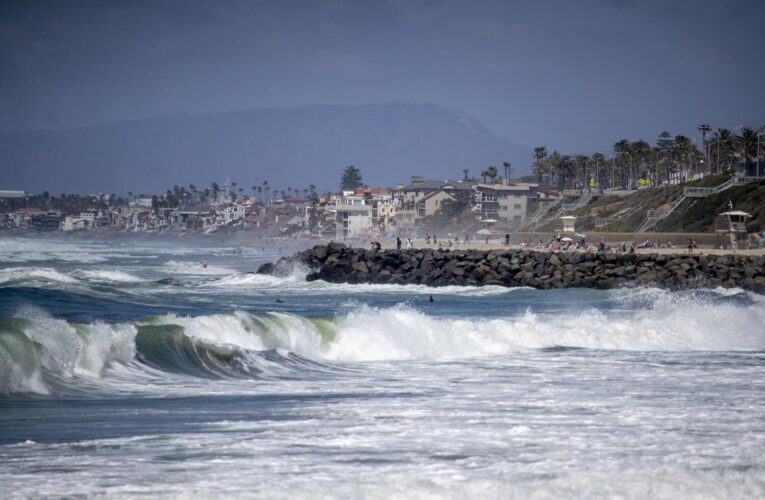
(204, 263)
(431, 299)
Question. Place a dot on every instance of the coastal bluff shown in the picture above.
(338, 263)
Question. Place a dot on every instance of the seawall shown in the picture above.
(337, 263)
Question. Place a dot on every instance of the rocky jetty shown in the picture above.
(337, 263)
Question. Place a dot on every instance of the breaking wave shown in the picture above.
(40, 354)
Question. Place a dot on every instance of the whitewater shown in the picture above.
(127, 369)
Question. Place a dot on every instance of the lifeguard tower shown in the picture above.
(568, 221)
(733, 223)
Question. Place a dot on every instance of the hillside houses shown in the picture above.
(406, 209)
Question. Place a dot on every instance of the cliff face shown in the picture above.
(340, 264)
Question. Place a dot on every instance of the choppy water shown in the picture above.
(127, 369)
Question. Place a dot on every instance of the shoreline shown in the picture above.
(245, 238)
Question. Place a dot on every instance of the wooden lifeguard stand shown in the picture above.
(733, 223)
(569, 222)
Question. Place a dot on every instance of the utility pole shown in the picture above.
(759, 131)
(718, 151)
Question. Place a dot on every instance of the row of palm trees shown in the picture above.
(182, 196)
(671, 160)
(66, 203)
(177, 196)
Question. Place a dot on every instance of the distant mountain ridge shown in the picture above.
(295, 147)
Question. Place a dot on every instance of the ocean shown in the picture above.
(129, 370)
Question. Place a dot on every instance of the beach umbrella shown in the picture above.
(580, 235)
(483, 232)
(566, 238)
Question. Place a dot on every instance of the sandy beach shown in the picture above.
(701, 249)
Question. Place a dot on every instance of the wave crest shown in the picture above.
(39, 353)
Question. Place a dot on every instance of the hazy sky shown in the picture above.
(573, 75)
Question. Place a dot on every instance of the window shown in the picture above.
(517, 206)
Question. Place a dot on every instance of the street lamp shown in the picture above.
(613, 167)
(690, 159)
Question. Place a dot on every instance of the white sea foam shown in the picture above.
(402, 332)
(103, 275)
(13, 274)
(21, 250)
(295, 282)
(191, 268)
(365, 334)
(64, 350)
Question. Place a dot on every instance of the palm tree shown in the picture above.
(598, 159)
(724, 149)
(215, 189)
(490, 172)
(680, 154)
(747, 147)
(622, 149)
(465, 172)
(704, 128)
(641, 156)
(508, 170)
(541, 166)
(562, 167)
(581, 163)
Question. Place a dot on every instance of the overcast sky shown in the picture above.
(572, 75)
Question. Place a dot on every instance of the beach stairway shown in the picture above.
(539, 219)
(580, 202)
(653, 217)
(604, 221)
(541, 211)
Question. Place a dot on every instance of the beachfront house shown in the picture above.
(352, 218)
(506, 203)
(422, 198)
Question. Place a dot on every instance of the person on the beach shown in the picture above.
(690, 245)
(398, 243)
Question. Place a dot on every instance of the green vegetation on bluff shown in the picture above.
(698, 215)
